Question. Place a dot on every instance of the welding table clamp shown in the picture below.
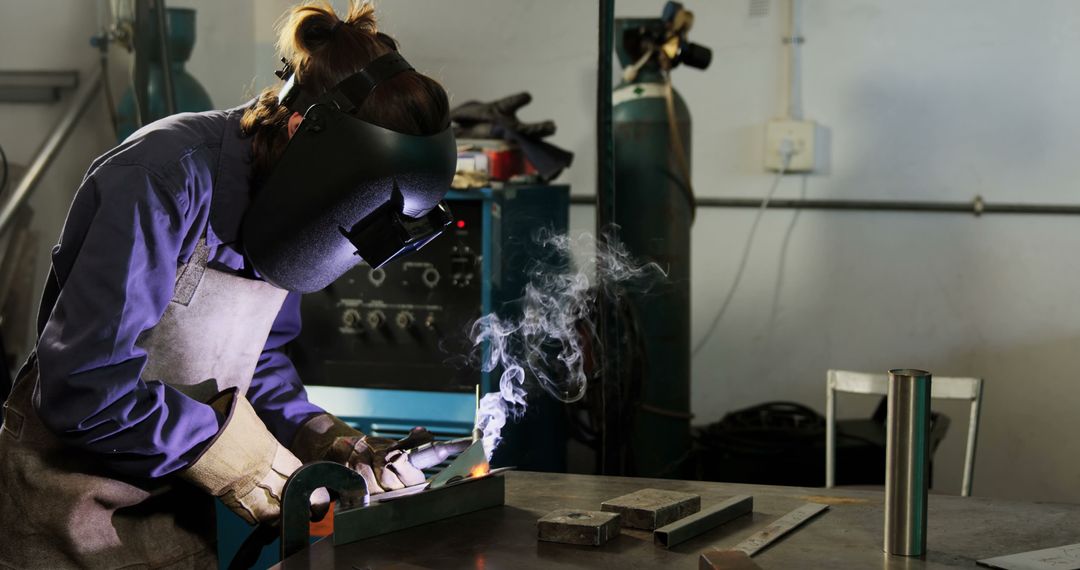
(467, 484)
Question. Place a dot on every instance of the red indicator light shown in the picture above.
(461, 224)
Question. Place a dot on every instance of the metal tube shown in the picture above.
(975, 208)
(49, 149)
(682, 530)
(907, 462)
(164, 55)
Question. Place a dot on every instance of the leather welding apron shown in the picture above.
(59, 508)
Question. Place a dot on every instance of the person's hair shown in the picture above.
(323, 50)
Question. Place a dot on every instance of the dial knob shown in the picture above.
(405, 319)
(376, 319)
(350, 317)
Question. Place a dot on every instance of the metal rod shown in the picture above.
(49, 149)
(975, 207)
(682, 530)
(164, 55)
(907, 462)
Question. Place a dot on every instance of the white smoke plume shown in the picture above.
(546, 341)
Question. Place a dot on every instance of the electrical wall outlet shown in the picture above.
(790, 136)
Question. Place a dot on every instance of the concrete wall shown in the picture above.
(925, 100)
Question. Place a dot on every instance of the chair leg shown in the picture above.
(830, 438)
(973, 436)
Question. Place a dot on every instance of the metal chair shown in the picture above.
(878, 384)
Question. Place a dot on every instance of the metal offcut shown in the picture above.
(907, 462)
(649, 509)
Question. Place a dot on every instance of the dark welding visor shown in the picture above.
(389, 232)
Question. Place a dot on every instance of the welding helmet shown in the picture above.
(346, 190)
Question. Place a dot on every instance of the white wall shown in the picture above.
(925, 100)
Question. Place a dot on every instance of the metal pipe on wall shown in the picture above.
(976, 207)
(51, 147)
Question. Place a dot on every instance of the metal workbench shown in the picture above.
(849, 536)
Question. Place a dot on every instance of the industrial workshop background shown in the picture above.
(920, 100)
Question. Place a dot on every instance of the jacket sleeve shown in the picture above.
(116, 267)
(276, 392)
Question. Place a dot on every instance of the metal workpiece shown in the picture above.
(682, 530)
(570, 526)
(296, 499)
(907, 462)
(649, 509)
(419, 508)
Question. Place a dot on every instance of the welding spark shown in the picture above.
(546, 342)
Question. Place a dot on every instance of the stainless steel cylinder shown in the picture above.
(907, 462)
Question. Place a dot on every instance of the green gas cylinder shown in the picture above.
(653, 214)
(188, 92)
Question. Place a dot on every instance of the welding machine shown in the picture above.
(387, 348)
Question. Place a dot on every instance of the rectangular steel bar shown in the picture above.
(652, 508)
(422, 508)
(682, 530)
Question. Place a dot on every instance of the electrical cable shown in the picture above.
(745, 257)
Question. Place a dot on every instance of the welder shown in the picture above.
(160, 379)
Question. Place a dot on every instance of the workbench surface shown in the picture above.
(848, 536)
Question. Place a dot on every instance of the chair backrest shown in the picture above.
(941, 387)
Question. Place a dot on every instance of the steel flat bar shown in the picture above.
(682, 530)
(781, 526)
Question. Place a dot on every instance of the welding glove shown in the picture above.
(490, 120)
(245, 466)
(382, 462)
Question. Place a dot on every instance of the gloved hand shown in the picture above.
(245, 466)
(492, 120)
(382, 462)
